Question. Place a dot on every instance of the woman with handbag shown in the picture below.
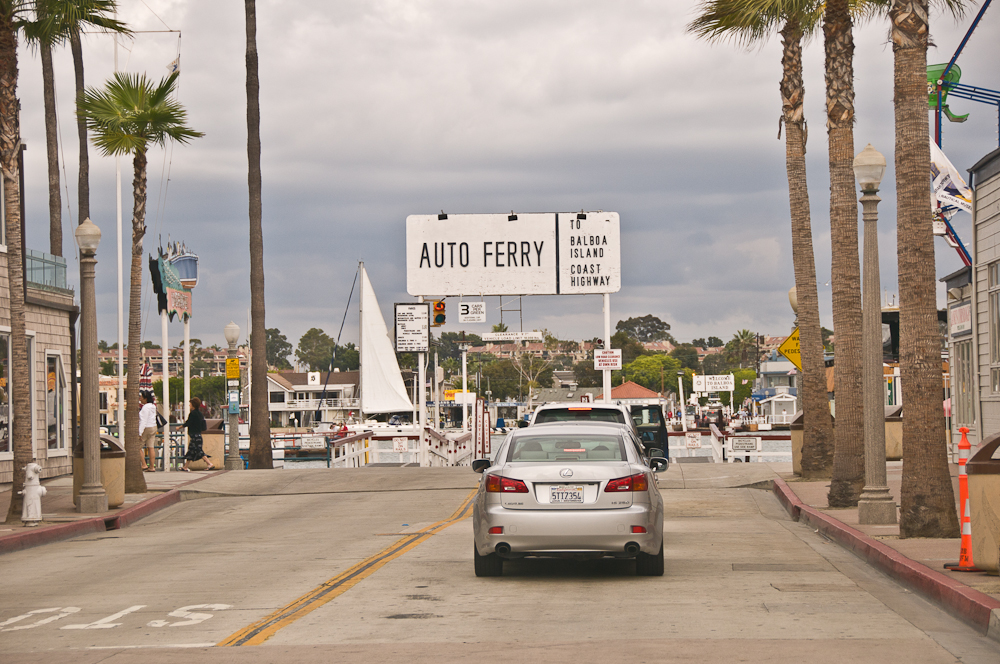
(195, 424)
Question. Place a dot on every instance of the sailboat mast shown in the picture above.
(361, 327)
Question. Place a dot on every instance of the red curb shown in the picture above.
(130, 515)
(958, 599)
(46, 534)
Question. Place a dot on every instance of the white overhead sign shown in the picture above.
(471, 312)
(724, 383)
(534, 335)
(513, 254)
(608, 359)
(413, 327)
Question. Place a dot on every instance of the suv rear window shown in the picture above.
(547, 447)
(580, 415)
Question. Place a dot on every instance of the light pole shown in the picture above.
(876, 505)
(680, 395)
(233, 460)
(93, 498)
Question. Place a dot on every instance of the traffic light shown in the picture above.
(439, 314)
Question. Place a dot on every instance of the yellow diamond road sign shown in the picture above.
(790, 349)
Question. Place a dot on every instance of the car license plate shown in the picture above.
(565, 493)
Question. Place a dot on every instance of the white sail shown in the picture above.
(382, 389)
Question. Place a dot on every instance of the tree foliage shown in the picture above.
(278, 349)
(586, 375)
(645, 328)
(653, 371)
(630, 348)
(687, 354)
(315, 350)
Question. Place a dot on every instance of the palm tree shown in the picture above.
(260, 419)
(748, 22)
(927, 499)
(127, 116)
(55, 21)
(12, 16)
(848, 456)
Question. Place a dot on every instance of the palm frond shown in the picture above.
(130, 112)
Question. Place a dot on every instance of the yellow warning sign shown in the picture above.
(790, 349)
(232, 367)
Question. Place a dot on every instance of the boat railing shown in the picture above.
(313, 404)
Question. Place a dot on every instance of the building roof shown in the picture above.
(291, 380)
(631, 390)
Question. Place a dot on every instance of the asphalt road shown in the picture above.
(377, 564)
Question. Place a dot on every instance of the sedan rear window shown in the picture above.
(567, 448)
(580, 415)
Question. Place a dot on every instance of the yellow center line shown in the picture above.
(260, 631)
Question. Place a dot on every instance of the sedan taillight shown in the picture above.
(637, 482)
(497, 484)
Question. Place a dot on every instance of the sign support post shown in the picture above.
(420, 393)
(607, 345)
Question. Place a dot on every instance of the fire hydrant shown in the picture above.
(31, 511)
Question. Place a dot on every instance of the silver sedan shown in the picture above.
(569, 490)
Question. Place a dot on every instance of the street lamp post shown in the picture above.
(876, 505)
(233, 460)
(93, 498)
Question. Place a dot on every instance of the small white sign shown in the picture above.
(608, 358)
(745, 444)
(724, 383)
(534, 335)
(413, 327)
(692, 440)
(961, 319)
(400, 444)
(233, 382)
(472, 312)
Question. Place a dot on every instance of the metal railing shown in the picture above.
(45, 270)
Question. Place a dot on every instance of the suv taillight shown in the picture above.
(637, 482)
(497, 484)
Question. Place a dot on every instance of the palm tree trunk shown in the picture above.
(135, 481)
(817, 438)
(83, 187)
(51, 151)
(10, 148)
(848, 454)
(260, 422)
(927, 499)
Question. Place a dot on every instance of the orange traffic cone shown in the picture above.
(964, 563)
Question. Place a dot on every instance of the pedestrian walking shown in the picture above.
(147, 430)
(195, 424)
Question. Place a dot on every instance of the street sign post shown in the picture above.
(413, 327)
(472, 312)
(607, 359)
(790, 349)
(721, 383)
(552, 253)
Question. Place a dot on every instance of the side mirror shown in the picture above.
(655, 452)
(658, 464)
(479, 465)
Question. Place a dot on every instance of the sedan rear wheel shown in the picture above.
(647, 564)
(491, 564)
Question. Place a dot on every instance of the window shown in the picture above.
(5, 393)
(994, 314)
(103, 401)
(55, 403)
(567, 448)
(5, 406)
(962, 385)
(277, 397)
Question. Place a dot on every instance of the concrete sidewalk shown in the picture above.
(61, 521)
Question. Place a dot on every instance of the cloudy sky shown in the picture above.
(376, 109)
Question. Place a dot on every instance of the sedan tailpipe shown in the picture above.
(503, 548)
(631, 548)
